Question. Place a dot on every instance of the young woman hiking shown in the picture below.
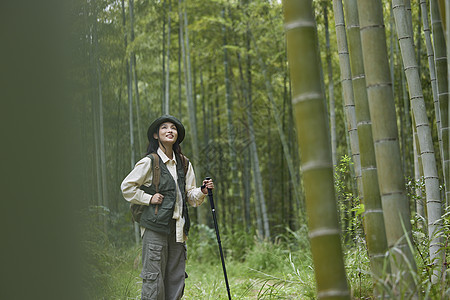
(165, 221)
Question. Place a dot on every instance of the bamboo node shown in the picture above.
(410, 67)
(352, 26)
(322, 232)
(314, 165)
(332, 293)
(397, 6)
(375, 26)
(299, 24)
(381, 84)
(403, 37)
(369, 168)
(373, 211)
(434, 201)
(365, 122)
(426, 152)
(393, 193)
(306, 97)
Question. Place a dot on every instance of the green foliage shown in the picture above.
(110, 271)
(349, 206)
(267, 271)
(281, 268)
(441, 290)
(357, 266)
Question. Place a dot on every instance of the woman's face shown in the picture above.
(167, 134)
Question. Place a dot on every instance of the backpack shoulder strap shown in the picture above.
(156, 171)
(185, 163)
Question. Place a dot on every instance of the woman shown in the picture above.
(165, 221)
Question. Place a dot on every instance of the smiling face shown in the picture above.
(167, 134)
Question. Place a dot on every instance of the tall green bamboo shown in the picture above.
(373, 217)
(440, 60)
(330, 87)
(167, 80)
(447, 13)
(387, 150)
(135, 78)
(277, 118)
(234, 187)
(430, 55)
(347, 90)
(130, 107)
(101, 127)
(418, 177)
(442, 9)
(185, 50)
(311, 118)
(423, 133)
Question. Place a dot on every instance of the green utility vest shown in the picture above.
(156, 217)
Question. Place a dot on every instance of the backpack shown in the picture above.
(138, 209)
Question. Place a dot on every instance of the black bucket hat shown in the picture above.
(166, 118)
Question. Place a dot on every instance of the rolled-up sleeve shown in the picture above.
(140, 175)
(195, 195)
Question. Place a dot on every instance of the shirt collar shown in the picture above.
(164, 157)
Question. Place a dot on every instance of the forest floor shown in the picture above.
(206, 281)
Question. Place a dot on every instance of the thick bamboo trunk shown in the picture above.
(423, 133)
(373, 217)
(387, 150)
(312, 125)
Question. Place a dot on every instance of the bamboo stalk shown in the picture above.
(311, 118)
(423, 133)
(386, 144)
(373, 216)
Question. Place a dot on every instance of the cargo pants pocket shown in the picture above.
(149, 286)
(152, 282)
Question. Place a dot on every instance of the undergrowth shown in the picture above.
(257, 269)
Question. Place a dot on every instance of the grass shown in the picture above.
(256, 269)
(265, 270)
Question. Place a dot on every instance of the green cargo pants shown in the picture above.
(163, 266)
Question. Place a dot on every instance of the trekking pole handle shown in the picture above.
(203, 186)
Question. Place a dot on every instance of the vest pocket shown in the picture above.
(164, 215)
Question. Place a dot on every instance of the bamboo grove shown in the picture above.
(274, 95)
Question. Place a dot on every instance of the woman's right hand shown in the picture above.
(157, 199)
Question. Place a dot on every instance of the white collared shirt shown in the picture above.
(142, 174)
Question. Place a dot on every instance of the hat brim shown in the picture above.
(166, 118)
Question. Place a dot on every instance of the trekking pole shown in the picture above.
(213, 211)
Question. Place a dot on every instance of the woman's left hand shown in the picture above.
(208, 184)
